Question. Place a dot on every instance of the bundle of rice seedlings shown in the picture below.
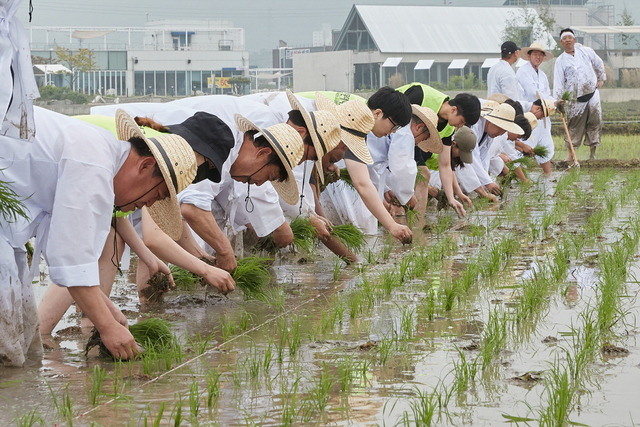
(184, 279)
(541, 151)
(344, 176)
(153, 335)
(266, 244)
(304, 234)
(158, 285)
(252, 275)
(352, 237)
(524, 162)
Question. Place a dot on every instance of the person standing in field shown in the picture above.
(580, 71)
(501, 77)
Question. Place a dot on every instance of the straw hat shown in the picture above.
(548, 106)
(533, 121)
(433, 144)
(176, 161)
(465, 140)
(503, 116)
(498, 97)
(487, 106)
(287, 144)
(323, 127)
(526, 51)
(356, 121)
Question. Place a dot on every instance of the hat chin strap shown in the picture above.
(119, 208)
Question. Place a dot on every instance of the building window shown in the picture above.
(181, 39)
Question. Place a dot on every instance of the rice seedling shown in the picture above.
(337, 268)
(423, 409)
(345, 177)
(184, 279)
(443, 224)
(276, 298)
(252, 275)
(294, 338)
(318, 396)
(245, 320)
(493, 338)
(30, 419)
(63, 407)
(465, 372)
(11, 206)
(352, 237)
(386, 250)
(213, 387)
(304, 234)
(198, 343)
(154, 333)
(346, 370)
(559, 397)
(158, 419)
(427, 307)
(388, 282)
(407, 322)
(98, 375)
(384, 349)
(176, 412)
(253, 362)
(194, 399)
(228, 327)
(370, 257)
(541, 151)
(288, 399)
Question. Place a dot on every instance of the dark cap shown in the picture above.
(465, 140)
(208, 135)
(508, 48)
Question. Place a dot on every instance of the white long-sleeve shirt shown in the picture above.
(578, 73)
(502, 79)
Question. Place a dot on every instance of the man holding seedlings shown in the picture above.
(453, 113)
(577, 76)
(535, 88)
(70, 178)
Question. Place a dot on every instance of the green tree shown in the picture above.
(529, 25)
(79, 61)
(238, 82)
(626, 20)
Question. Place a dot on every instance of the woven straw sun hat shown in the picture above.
(503, 116)
(526, 51)
(533, 121)
(356, 121)
(432, 144)
(487, 106)
(548, 106)
(287, 144)
(323, 127)
(177, 163)
(498, 97)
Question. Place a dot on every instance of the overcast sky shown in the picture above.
(265, 21)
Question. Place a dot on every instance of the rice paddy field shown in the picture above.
(525, 312)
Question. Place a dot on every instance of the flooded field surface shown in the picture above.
(524, 312)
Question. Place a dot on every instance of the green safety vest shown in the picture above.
(433, 99)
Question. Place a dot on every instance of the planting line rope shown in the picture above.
(141, 386)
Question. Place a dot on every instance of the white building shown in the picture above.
(172, 58)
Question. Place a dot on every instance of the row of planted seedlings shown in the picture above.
(513, 321)
(604, 319)
(353, 304)
(280, 363)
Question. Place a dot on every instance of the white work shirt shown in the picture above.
(578, 73)
(482, 153)
(394, 166)
(531, 81)
(17, 93)
(266, 215)
(66, 180)
(502, 79)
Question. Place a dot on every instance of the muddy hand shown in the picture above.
(119, 342)
(219, 279)
(226, 262)
(402, 233)
(457, 206)
(494, 188)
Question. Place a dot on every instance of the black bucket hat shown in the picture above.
(208, 135)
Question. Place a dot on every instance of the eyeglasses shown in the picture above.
(395, 125)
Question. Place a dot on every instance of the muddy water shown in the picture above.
(377, 356)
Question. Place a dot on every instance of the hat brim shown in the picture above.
(432, 144)
(526, 51)
(166, 213)
(357, 145)
(505, 124)
(465, 156)
(287, 189)
(320, 152)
